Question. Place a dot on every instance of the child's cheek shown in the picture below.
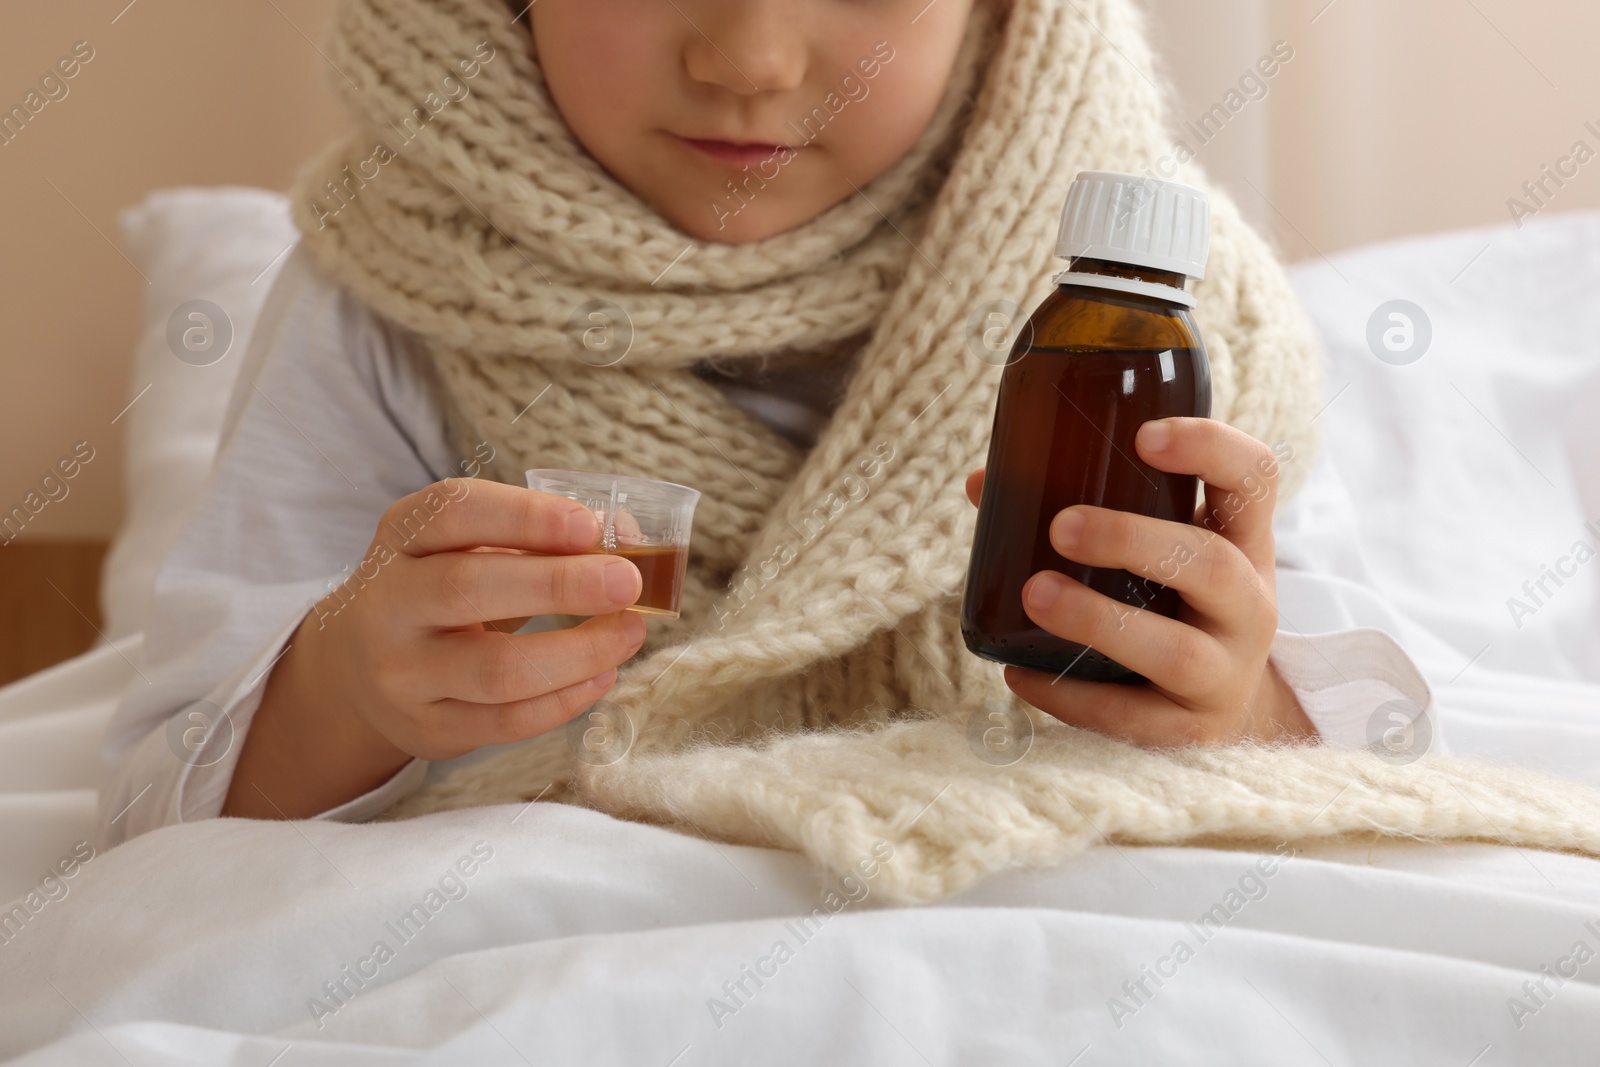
(872, 133)
(606, 62)
(894, 76)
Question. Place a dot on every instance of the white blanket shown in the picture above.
(580, 939)
(551, 934)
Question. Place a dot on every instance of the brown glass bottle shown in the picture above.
(1090, 367)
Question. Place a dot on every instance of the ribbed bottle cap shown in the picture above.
(1140, 221)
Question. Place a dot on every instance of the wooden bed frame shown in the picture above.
(49, 603)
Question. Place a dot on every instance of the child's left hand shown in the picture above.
(1210, 679)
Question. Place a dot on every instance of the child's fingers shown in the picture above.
(1211, 574)
(463, 513)
(485, 667)
(1175, 656)
(471, 725)
(462, 588)
(1241, 476)
(975, 486)
(1133, 713)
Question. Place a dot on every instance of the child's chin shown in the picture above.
(753, 222)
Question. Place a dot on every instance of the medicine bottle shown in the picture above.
(1113, 347)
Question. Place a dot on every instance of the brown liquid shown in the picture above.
(661, 567)
(1063, 435)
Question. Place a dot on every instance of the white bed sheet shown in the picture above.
(591, 940)
(584, 939)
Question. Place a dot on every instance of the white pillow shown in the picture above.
(225, 247)
(1472, 467)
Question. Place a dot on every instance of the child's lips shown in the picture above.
(732, 152)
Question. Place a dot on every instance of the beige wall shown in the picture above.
(1393, 118)
(180, 92)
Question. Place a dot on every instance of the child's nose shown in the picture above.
(747, 48)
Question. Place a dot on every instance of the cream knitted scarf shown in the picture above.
(816, 694)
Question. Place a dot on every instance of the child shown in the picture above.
(729, 243)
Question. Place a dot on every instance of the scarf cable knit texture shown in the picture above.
(816, 694)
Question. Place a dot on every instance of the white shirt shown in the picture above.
(332, 420)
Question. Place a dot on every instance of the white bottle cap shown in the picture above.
(1139, 221)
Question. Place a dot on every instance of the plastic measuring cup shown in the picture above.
(646, 522)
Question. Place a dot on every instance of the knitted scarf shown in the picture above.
(816, 693)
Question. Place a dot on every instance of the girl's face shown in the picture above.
(740, 119)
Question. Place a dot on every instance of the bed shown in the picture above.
(1459, 473)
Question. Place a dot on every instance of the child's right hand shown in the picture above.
(397, 663)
